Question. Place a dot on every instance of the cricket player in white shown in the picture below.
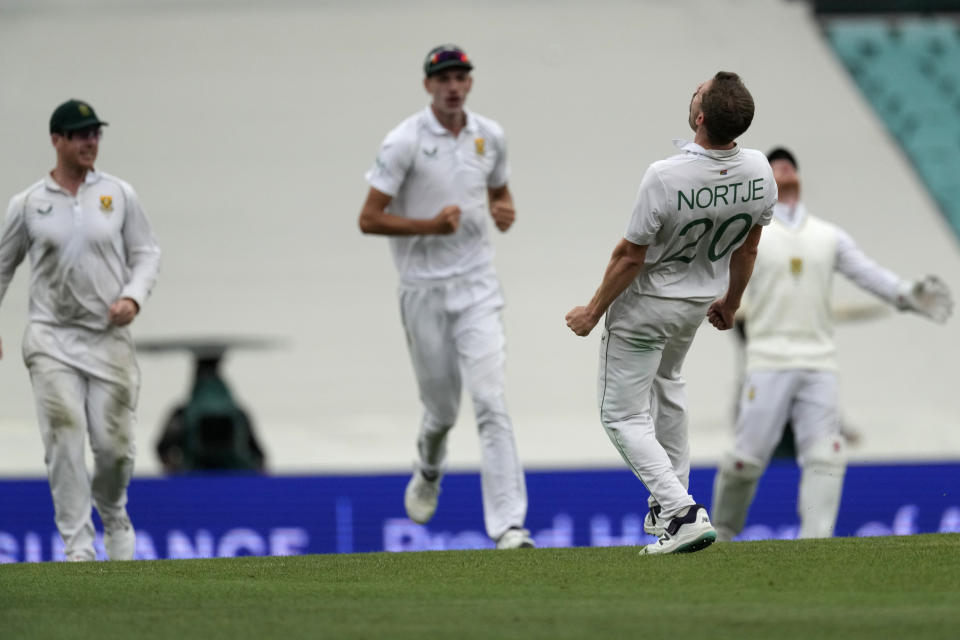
(791, 357)
(693, 236)
(93, 262)
(433, 181)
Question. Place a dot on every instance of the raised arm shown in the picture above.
(375, 219)
(929, 296)
(624, 266)
(721, 313)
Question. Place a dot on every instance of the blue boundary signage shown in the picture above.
(224, 516)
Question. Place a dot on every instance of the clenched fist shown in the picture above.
(123, 311)
(448, 220)
(721, 315)
(581, 321)
(503, 215)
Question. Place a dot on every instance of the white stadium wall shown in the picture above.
(246, 128)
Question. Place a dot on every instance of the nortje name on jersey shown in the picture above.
(706, 197)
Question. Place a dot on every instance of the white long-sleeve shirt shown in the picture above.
(86, 251)
(788, 301)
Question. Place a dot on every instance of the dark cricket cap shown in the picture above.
(73, 115)
(446, 56)
(780, 153)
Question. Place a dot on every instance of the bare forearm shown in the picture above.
(387, 224)
(621, 271)
(501, 207)
(741, 268)
(722, 313)
(624, 266)
(374, 218)
(501, 196)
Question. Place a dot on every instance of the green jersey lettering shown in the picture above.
(747, 222)
(679, 255)
(698, 230)
(700, 202)
(720, 194)
(717, 194)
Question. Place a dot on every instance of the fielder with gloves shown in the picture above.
(791, 361)
(438, 176)
(93, 262)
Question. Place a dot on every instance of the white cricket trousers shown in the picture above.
(808, 398)
(455, 335)
(70, 404)
(642, 397)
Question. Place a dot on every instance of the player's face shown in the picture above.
(695, 102)
(449, 90)
(785, 174)
(78, 149)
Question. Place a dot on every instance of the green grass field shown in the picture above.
(842, 588)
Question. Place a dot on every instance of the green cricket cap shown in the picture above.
(73, 115)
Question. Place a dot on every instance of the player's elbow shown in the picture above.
(366, 222)
(746, 252)
(632, 254)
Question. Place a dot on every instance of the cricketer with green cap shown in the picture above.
(93, 262)
(74, 115)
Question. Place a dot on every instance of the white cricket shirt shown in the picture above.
(425, 168)
(788, 301)
(86, 252)
(693, 210)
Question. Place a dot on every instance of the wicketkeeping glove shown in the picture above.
(929, 297)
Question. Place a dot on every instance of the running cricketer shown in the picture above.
(439, 174)
(93, 262)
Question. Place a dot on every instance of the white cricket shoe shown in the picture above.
(81, 557)
(119, 538)
(652, 524)
(420, 498)
(516, 538)
(687, 532)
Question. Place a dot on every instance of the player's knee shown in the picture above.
(741, 465)
(491, 410)
(113, 458)
(827, 454)
(618, 415)
(59, 414)
(440, 418)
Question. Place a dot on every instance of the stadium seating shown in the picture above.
(908, 68)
